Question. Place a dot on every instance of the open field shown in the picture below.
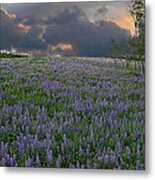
(71, 113)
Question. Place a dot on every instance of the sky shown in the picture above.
(75, 28)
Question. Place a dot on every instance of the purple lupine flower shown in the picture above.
(138, 165)
(119, 146)
(112, 158)
(77, 164)
(43, 128)
(28, 148)
(78, 119)
(80, 150)
(102, 141)
(2, 147)
(68, 157)
(4, 161)
(91, 136)
(106, 159)
(27, 112)
(23, 127)
(38, 117)
(128, 151)
(58, 161)
(95, 166)
(100, 158)
(37, 159)
(49, 155)
(58, 148)
(64, 138)
(71, 166)
(90, 105)
(79, 106)
(87, 151)
(27, 129)
(62, 147)
(48, 136)
(20, 148)
(20, 120)
(13, 119)
(82, 166)
(28, 162)
(36, 141)
(88, 164)
(107, 133)
(11, 161)
(60, 129)
(28, 122)
(138, 153)
(125, 135)
(2, 95)
(39, 128)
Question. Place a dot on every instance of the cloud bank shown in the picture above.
(58, 28)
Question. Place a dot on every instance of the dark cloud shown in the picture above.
(88, 38)
(9, 32)
(11, 35)
(30, 41)
(67, 15)
(59, 23)
(101, 11)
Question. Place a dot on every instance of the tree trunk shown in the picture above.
(135, 65)
(143, 67)
(127, 63)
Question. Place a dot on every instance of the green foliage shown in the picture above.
(138, 12)
(10, 55)
(115, 48)
(134, 48)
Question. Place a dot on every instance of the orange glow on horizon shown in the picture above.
(63, 47)
(125, 21)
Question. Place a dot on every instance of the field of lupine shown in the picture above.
(71, 113)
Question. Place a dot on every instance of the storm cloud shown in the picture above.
(9, 31)
(31, 40)
(50, 27)
(12, 34)
(101, 11)
(89, 39)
